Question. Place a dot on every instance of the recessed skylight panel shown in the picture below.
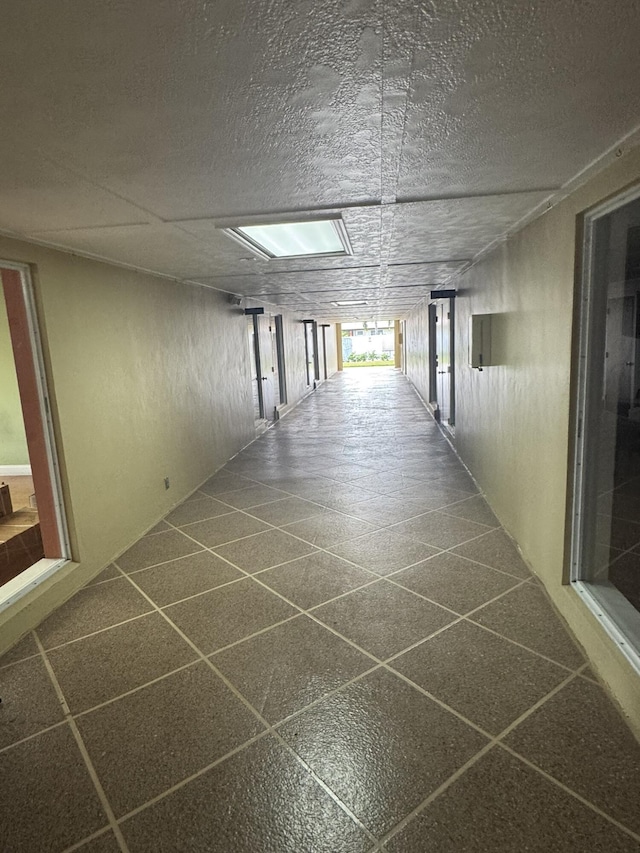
(324, 237)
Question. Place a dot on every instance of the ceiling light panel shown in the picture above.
(279, 240)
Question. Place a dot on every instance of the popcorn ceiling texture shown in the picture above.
(434, 127)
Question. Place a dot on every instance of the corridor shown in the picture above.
(331, 646)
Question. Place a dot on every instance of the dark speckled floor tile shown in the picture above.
(150, 740)
(103, 666)
(473, 509)
(385, 509)
(197, 510)
(29, 701)
(182, 578)
(160, 527)
(455, 582)
(290, 666)
(224, 481)
(383, 552)
(108, 574)
(579, 738)
(225, 528)
(286, 511)
(47, 799)
(92, 609)
(288, 811)
(314, 579)
(25, 648)
(488, 680)
(264, 550)
(329, 528)
(497, 550)
(383, 619)
(104, 844)
(501, 806)
(381, 746)
(158, 548)
(253, 496)
(230, 613)
(439, 530)
(526, 616)
(153, 714)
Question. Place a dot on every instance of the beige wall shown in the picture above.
(149, 379)
(332, 350)
(512, 422)
(13, 441)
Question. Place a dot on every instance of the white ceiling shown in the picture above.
(131, 129)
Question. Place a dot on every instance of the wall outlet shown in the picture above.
(166, 483)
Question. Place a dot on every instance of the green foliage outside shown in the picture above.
(369, 356)
(368, 359)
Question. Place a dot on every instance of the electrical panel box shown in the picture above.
(480, 340)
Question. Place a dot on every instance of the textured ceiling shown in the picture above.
(132, 130)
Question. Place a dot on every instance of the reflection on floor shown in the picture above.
(20, 538)
(331, 646)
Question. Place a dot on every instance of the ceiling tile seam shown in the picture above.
(88, 228)
(615, 151)
(14, 235)
(430, 199)
(83, 177)
(403, 135)
(229, 220)
(298, 271)
(336, 269)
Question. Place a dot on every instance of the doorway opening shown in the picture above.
(33, 535)
(310, 351)
(262, 366)
(279, 360)
(369, 344)
(605, 519)
(442, 361)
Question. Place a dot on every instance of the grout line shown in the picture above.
(93, 633)
(34, 735)
(255, 634)
(83, 750)
(16, 662)
(183, 782)
(592, 806)
(295, 714)
(494, 740)
(263, 721)
(520, 645)
(77, 714)
(93, 837)
(436, 793)
(272, 729)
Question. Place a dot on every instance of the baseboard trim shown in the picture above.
(15, 470)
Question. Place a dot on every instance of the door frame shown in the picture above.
(324, 327)
(433, 331)
(618, 618)
(255, 312)
(280, 358)
(17, 286)
(311, 380)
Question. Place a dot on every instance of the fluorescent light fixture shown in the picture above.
(350, 303)
(307, 238)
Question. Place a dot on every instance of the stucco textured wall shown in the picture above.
(512, 422)
(149, 379)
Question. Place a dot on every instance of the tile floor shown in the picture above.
(331, 646)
